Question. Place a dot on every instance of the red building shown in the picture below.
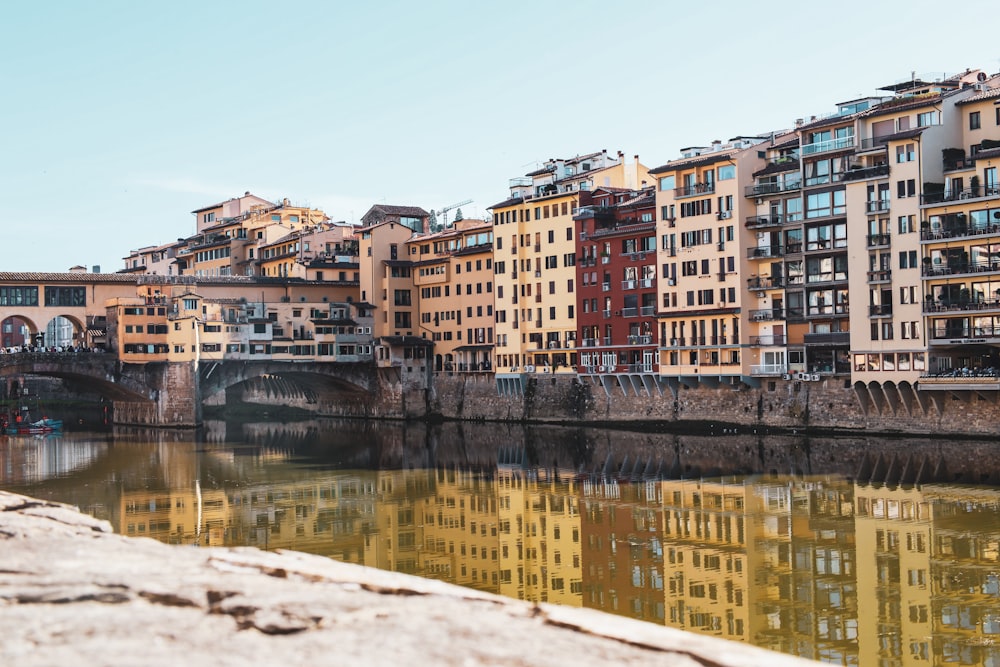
(616, 275)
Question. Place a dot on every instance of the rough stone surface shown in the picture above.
(824, 405)
(74, 593)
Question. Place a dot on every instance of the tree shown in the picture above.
(432, 222)
(458, 215)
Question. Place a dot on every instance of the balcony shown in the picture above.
(878, 277)
(694, 190)
(767, 315)
(884, 310)
(874, 142)
(647, 311)
(834, 338)
(630, 312)
(960, 306)
(589, 342)
(840, 143)
(958, 268)
(878, 240)
(640, 340)
(605, 287)
(628, 284)
(769, 370)
(765, 252)
(864, 173)
(877, 206)
(765, 282)
(768, 341)
(772, 187)
(772, 220)
(956, 227)
(960, 194)
(606, 314)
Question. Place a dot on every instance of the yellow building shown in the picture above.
(453, 280)
(714, 269)
(534, 259)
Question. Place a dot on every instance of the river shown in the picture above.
(852, 550)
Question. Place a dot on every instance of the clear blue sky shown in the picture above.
(120, 117)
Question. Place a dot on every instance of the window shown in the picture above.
(727, 172)
(928, 118)
(666, 183)
(974, 122)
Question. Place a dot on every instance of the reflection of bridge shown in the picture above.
(172, 394)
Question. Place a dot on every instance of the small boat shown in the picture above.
(21, 424)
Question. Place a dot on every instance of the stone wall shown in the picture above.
(828, 405)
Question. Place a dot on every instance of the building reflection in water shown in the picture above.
(870, 571)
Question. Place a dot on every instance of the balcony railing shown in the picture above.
(773, 220)
(772, 187)
(952, 230)
(877, 206)
(960, 305)
(606, 314)
(589, 342)
(958, 268)
(764, 282)
(874, 142)
(767, 315)
(628, 284)
(884, 310)
(860, 174)
(766, 341)
(605, 287)
(640, 340)
(835, 338)
(882, 276)
(769, 369)
(693, 190)
(764, 252)
(960, 194)
(878, 240)
(630, 312)
(647, 311)
(828, 145)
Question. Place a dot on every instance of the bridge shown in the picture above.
(172, 394)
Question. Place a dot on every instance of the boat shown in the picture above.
(21, 423)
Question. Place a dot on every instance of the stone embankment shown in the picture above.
(74, 593)
(826, 406)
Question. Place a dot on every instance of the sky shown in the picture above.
(119, 118)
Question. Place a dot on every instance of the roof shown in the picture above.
(979, 97)
(389, 209)
(548, 169)
(246, 194)
(698, 161)
(900, 104)
(508, 202)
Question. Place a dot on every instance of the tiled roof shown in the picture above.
(38, 277)
(698, 161)
(544, 170)
(507, 202)
(388, 209)
(979, 97)
(893, 106)
(777, 168)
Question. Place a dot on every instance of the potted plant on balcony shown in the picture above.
(974, 185)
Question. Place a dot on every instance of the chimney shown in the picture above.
(798, 122)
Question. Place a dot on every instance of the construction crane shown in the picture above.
(444, 211)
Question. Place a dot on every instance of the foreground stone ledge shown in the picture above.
(74, 592)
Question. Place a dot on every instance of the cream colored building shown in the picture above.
(535, 244)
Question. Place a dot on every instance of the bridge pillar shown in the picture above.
(176, 398)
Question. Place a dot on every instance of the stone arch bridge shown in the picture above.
(173, 394)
